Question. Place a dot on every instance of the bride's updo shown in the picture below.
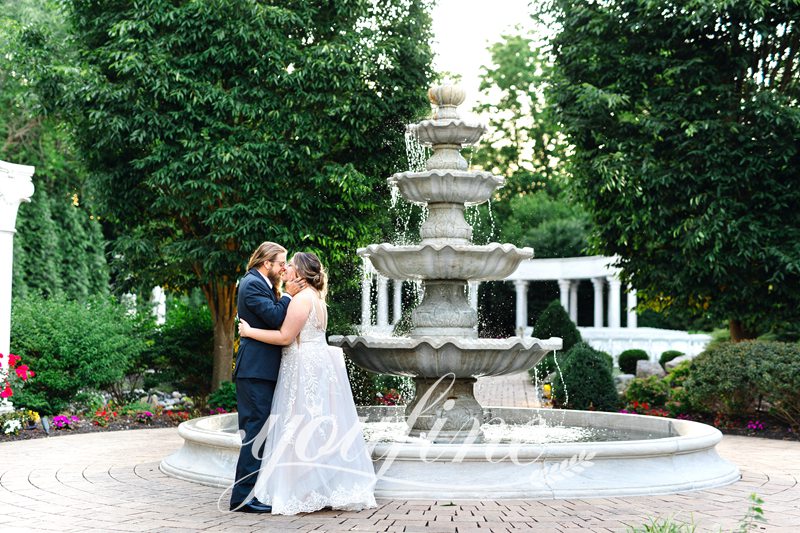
(308, 267)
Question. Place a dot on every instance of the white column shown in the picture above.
(614, 286)
(632, 320)
(563, 292)
(159, 302)
(366, 301)
(383, 301)
(598, 283)
(16, 186)
(473, 294)
(573, 302)
(522, 306)
(397, 302)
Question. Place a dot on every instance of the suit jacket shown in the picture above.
(258, 305)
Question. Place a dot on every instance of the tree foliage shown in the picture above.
(212, 126)
(685, 120)
(58, 246)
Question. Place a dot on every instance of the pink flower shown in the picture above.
(23, 372)
(13, 360)
(7, 392)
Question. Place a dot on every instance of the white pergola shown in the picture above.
(569, 271)
(16, 186)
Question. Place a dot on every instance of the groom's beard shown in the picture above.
(275, 279)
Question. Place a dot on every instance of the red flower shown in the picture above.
(7, 392)
(23, 372)
(13, 360)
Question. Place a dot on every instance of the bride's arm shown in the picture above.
(296, 317)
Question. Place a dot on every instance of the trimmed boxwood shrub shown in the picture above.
(668, 356)
(777, 377)
(585, 381)
(627, 360)
(71, 346)
(554, 322)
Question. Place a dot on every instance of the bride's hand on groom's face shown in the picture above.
(294, 286)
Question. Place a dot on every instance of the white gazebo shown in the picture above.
(605, 334)
(16, 186)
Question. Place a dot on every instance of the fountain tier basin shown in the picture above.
(447, 186)
(446, 261)
(447, 131)
(432, 357)
(679, 456)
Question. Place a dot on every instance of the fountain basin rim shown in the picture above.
(693, 438)
(441, 173)
(492, 246)
(438, 341)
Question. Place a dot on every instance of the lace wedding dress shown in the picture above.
(315, 455)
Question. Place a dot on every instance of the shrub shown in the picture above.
(181, 350)
(72, 346)
(722, 379)
(403, 386)
(777, 377)
(224, 397)
(585, 381)
(677, 376)
(627, 360)
(651, 390)
(668, 356)
(554, 322)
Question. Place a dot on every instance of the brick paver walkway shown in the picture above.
(111, 482)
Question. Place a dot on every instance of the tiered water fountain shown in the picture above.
(447, 446)
(444, 338)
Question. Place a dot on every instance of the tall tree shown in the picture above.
(211, 126)
(685, 119)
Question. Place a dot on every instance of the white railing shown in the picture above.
(652, 340)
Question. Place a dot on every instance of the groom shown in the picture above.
(257, 364)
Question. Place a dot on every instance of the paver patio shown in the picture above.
(111, 482)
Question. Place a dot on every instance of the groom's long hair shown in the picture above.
(266, 251)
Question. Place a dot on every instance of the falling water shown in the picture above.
(416, 153)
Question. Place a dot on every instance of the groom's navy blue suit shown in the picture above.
(256, 374)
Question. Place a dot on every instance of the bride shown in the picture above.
(315, 455)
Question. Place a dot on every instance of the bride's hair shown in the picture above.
(309, 268)
(266, 251)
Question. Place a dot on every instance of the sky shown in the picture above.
(463, 30)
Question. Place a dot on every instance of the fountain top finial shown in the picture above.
(446, 97)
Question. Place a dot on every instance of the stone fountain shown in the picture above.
(444, 338)
(446, 445)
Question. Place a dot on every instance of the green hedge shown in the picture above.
(585, 381)
(71, 346)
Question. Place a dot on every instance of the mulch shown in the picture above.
(121, 423)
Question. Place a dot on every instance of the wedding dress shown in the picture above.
(314, 455)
